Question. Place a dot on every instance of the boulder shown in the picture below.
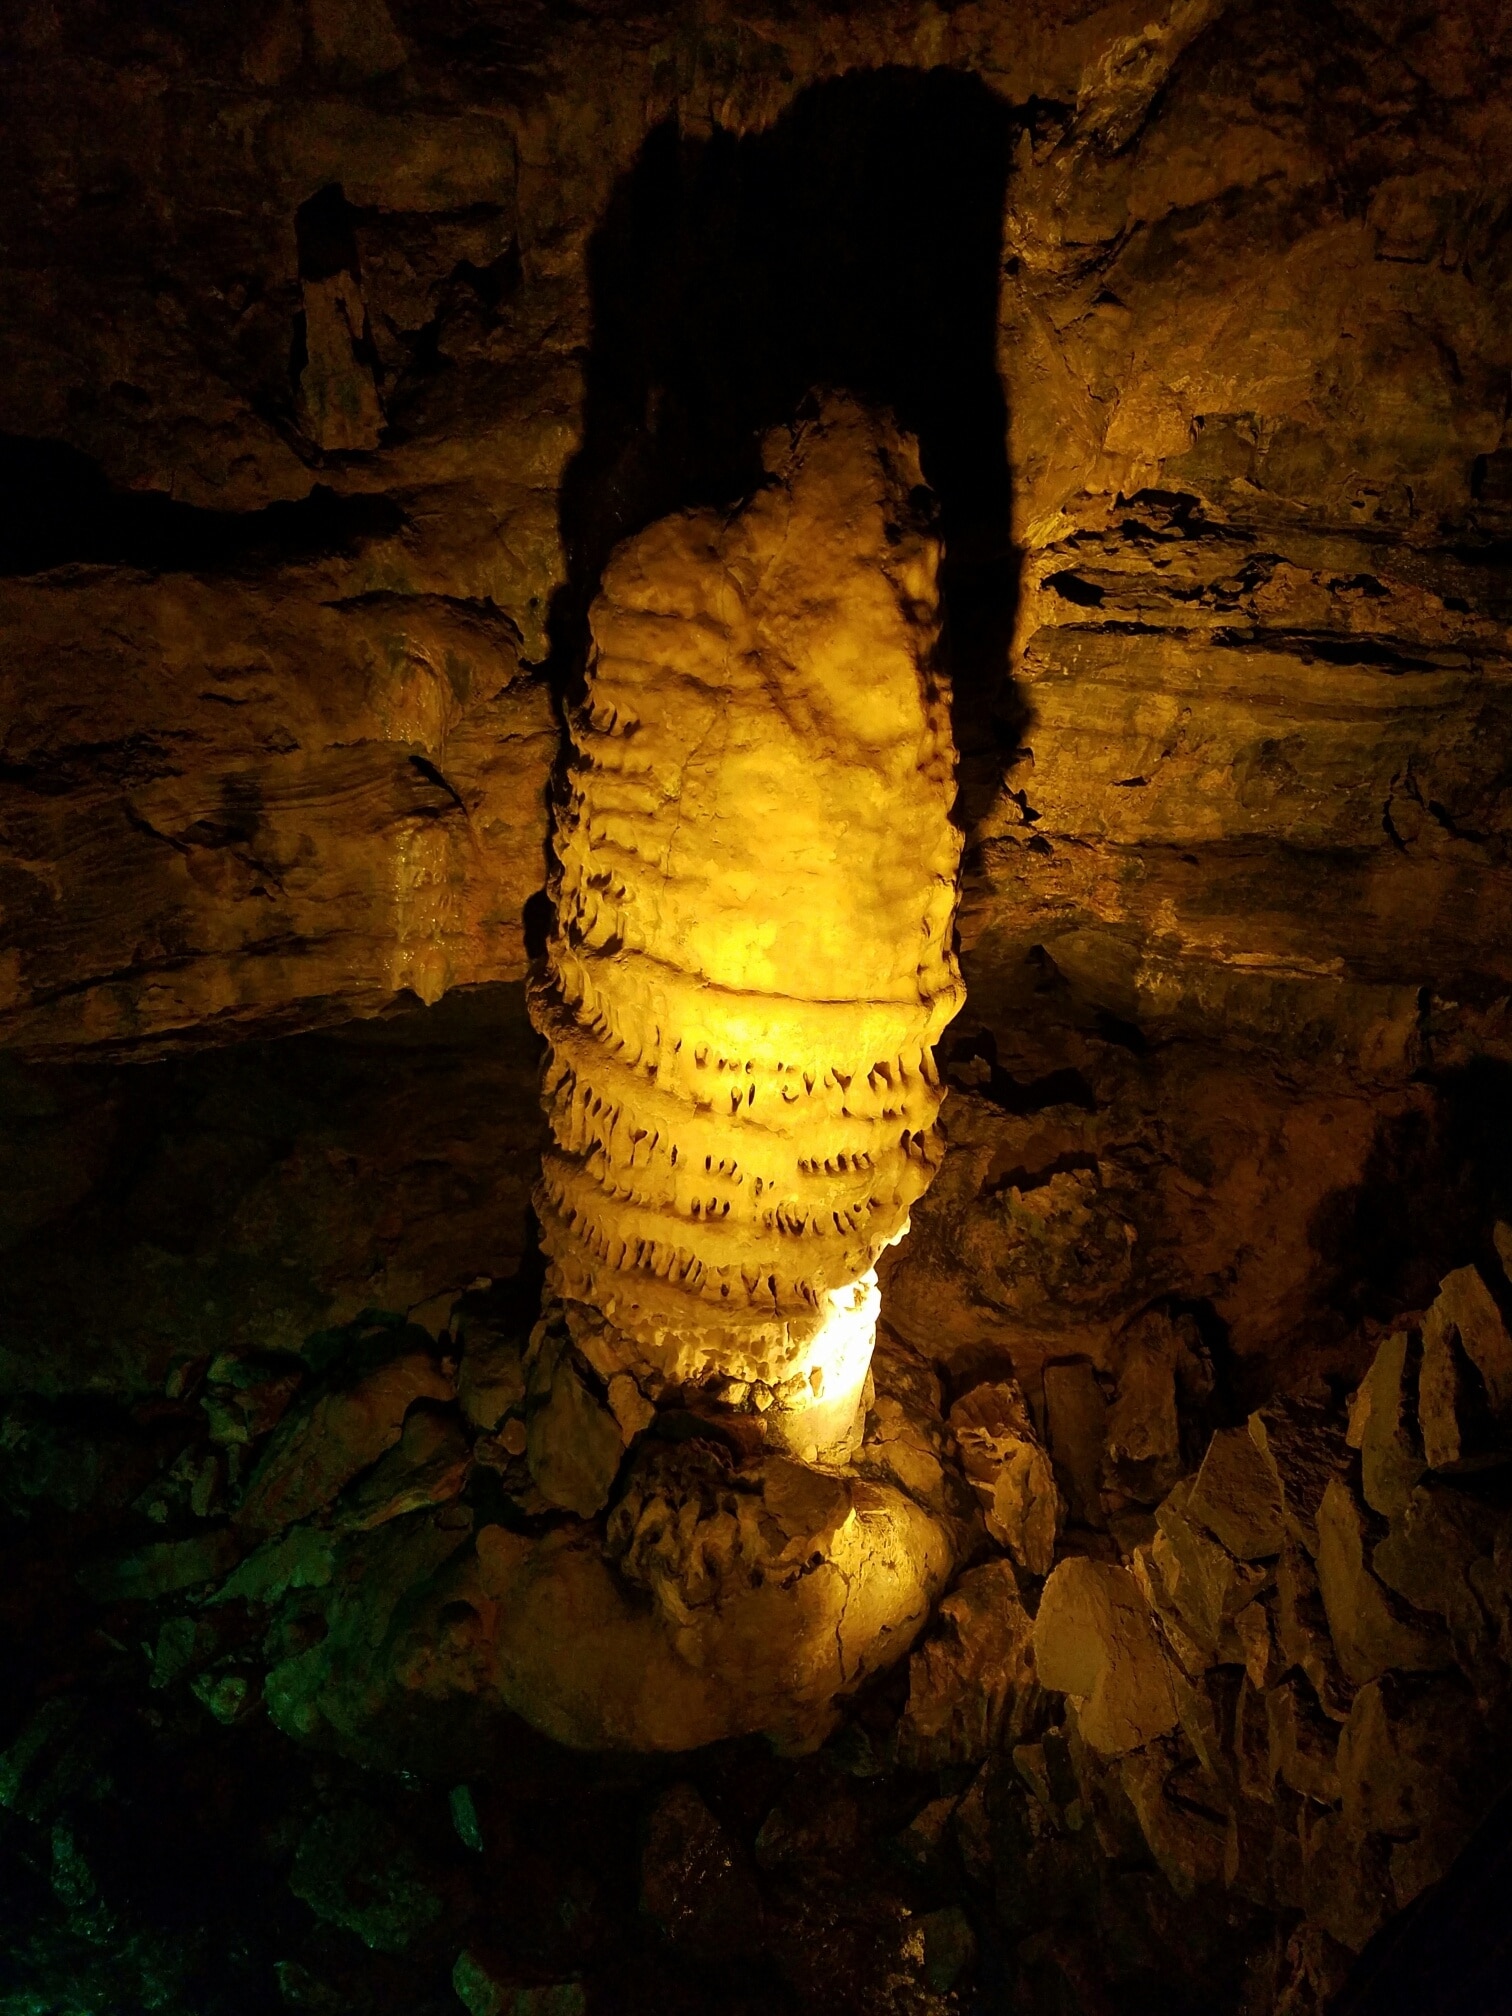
(697, 1881)
(1095, 1639)
(1203, 1581)
(1465, 1383)
(1368, 1635)
(427, 1466)
(971, 1682)
(1010, 1472)
(1144, 1432)
(1383, 1429)
(573, 1442)
(1237, 1495)
(321, 1445)
(1465, 1302)
(490, 1377)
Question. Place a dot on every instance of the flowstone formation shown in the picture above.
(750, 965)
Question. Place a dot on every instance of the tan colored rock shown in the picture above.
(553, 1631)
(1304, 1441)
(1465, 1348)
(971, 1682)
(1095, 1639)
(1187, 1843)
(573, 1442)
(1300, 1624)
(1368, 1635)
(1437, 1538)
(1465, 1302)
(297, 805)
(1144, 1438)
(322, 1444)
(339, 407)
(1201, 1579)
(1009, 1471)
(1237, 1495)
(629, 1406)
(1381, 1428)
(1303, 1742)
(1408, 1770)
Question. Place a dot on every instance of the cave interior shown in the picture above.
(537, 543)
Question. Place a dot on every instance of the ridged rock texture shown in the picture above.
(751, 962)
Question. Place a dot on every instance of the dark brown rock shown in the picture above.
(324, 1443)
(696, 1880)
(971, 1682)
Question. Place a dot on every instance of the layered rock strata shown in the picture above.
(751, 960)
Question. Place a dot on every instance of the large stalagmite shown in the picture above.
(750, 964)
(752, 960)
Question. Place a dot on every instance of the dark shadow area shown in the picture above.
(1450, 1952)
(857, 245)
(57, 508)
(1434, 1184)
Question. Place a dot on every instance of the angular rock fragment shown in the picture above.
(1187, 1841)
(427, 1466)
(1010, 1472)
(1303, 1742)
(573, 1442)
(1465, 1302)
(162, 1569)
(971, 1683)
(1144, 1431)
(490, 1377)
(1304, 1442)
(355, 1869)
(1407, 1770)
(1095, 1639)
(1301, 1631)
(1437, 1538)
(1383, 1427)
(1368, 1635)
(1237, 1495)
(1465, 1382)
(324, 1443)
(486, 1990)
(1202, 1580)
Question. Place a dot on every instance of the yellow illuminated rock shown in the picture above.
(751, 959)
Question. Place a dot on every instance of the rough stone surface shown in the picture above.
(324, 1443)
(345, 340)
(1010, 1471)
(1094, 1639)
(971, 1686)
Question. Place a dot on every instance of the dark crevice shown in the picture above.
(972, 1065)
(423, 767)
(57, 509)
(855, 244)
(1072, 588)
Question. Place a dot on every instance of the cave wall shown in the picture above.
(306, 493)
